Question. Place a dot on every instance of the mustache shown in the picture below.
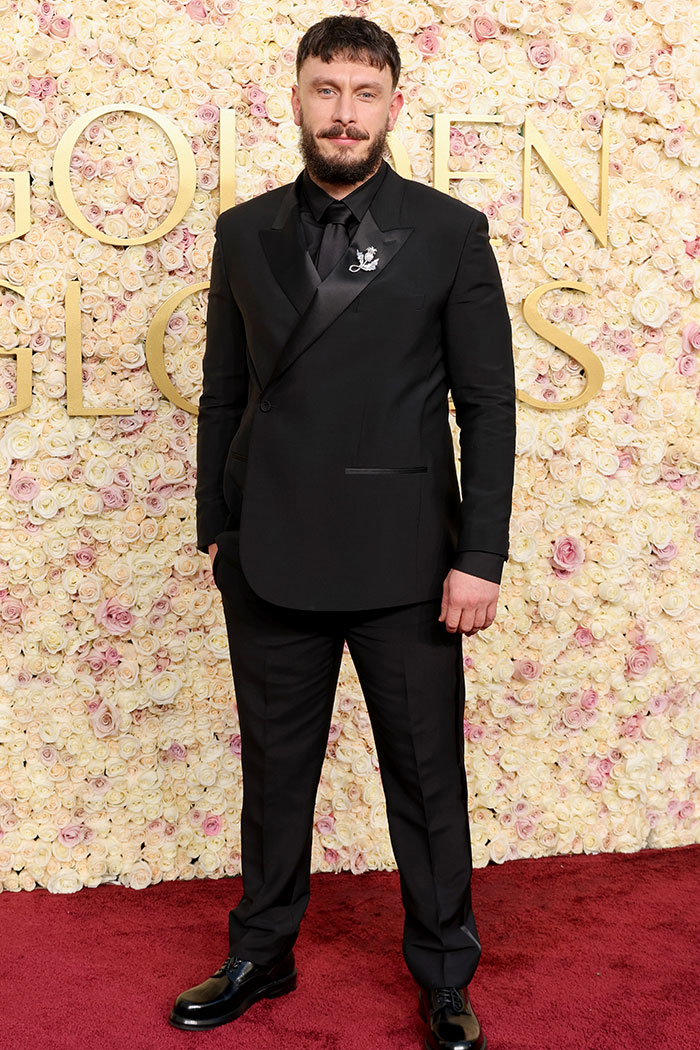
(337, 131)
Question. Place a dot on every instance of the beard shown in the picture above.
(343, 169)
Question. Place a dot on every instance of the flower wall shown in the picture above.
(119, 742)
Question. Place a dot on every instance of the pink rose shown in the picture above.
(177, 751)
(673, 144)
(11, 609)
(428, 43)
(48, 755)
(211, 825)
(687, 365)
(525, 828)
(640, 661)
(235, 744)
(358, 861)
(583, 636)
(105, 720)
(526, 670)
(71, 835)
(325, 825)
(196, 10)
(690, 337)
(622, 46)
(567, 553)
(572, 716)
(114, 497)
(208, 113)
(542, 52)
(331, 856)
(658, 704)
(60, 28)
(595, 781)
(692, 248)
(589, 699)
(112, 615)
(254, 94)
(24, 487)
(484, 27)
(667, 553)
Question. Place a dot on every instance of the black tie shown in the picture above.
(335, 237)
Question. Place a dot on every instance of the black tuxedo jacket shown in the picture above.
(325, 459)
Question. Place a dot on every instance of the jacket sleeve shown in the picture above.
(479, 563)
(223, 398)
(477, 338)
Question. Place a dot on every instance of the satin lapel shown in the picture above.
(342, 285)
(286, 253)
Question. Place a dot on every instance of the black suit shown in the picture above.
(327, 401)
(326, 476)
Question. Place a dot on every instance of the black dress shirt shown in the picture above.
(313, 201)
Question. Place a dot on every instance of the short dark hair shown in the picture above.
(351, 37)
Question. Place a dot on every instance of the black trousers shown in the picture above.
(285, 665)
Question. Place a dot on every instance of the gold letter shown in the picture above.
(598, 221)
(155, 352)
(74, 362)
(24, 364)
(399, 155)
(227, 159)
(441, 148)
(22, 219)
(565, 342)
(187, 174)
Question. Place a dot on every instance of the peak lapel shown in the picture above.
(323, 301)
(285, 250)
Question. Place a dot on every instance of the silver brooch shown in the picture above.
(365, 260)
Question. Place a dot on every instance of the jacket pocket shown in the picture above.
(386, 470)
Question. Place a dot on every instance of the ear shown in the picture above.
(296, 104)
(395, 108)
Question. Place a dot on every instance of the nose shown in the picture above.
(344, 109)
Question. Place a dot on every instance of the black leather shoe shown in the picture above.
(235, 986)
(452, 1023)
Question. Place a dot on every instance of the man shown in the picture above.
(343, 308)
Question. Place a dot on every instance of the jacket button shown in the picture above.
(265, 405)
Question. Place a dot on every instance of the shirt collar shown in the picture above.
(358, 200)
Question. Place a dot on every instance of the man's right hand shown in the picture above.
(212, 552)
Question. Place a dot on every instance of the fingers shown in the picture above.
(469, 619)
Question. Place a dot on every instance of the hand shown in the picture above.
(468, 602)
(212, 552)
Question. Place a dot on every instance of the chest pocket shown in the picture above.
(367, 301)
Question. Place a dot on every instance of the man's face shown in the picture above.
(344, 110)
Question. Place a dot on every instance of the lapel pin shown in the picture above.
(365, 260)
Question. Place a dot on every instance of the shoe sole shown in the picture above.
(429, 1047)
(268, 991)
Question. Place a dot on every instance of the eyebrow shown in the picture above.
(329, 80)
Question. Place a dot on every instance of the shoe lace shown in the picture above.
(231, 960)
(451, 997)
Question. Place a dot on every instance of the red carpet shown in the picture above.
(580, 953)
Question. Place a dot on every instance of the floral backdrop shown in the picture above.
(119, 742)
